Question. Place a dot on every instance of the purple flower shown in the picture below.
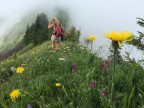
(92, 84)
(29, 106)
(104, 92)
(74, 68)
(107, 62)
(102, 67)
(105, 65)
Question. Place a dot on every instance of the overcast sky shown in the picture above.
(93, 17)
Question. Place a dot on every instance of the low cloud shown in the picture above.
(92, 17)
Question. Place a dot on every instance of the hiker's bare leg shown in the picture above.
(57, 45)
(53, 46)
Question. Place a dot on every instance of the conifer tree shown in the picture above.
(138, 41)
(41, 29)
(38, 31)
(26, 36)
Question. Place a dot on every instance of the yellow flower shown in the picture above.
(15, 94)
(19, 70)
(92, 38)
(122, 36)
(58, 84)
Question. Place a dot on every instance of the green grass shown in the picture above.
(43, 70)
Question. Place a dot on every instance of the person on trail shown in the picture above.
(56, 39)
(62, 34)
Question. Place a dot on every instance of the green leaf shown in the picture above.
(130, 96)
(3, 104)
(87, 76)
(125, 102)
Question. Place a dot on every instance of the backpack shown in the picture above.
(58, 31)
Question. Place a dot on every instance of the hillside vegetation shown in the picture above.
(70, 77)
(34, 76)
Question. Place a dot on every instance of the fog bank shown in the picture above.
(92, 17)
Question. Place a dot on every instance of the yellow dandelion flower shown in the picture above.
(92, 38)
(19, 70)
(15, 94)
(119, 37)
(58, 84)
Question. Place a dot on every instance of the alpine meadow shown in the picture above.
(34, 75)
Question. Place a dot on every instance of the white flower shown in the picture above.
(47, 60)
(13, 69)
(23, 64)
(140, 95)
(62, 59)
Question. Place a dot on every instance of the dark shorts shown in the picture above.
(62, 38)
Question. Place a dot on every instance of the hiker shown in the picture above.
(55, 38)
(62, 34)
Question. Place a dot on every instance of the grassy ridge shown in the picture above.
(16, 33)
(44, 68)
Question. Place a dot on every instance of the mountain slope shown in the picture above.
(68, 78)
(15, 35)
